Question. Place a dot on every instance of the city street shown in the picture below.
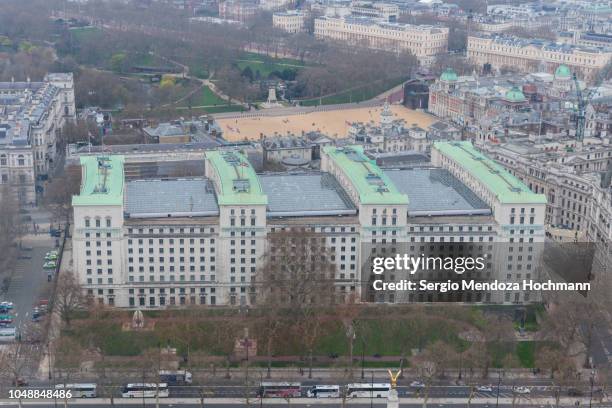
(29, 277)
(296, 403)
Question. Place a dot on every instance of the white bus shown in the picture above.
(79, 390)
(279, 389)
(145, 390)
(371, 390)
(324, 391)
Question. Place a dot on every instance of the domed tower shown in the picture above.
(515, 98)
(563, 80)
(386, 117)
(448, 79)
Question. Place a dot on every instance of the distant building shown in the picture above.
(386, 11)
(238, 10)
(424, 41)
(535, 55)
(292, 21)
(291, 151)
(32, 115)
(166, 133)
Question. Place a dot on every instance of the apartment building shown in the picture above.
(423, 41)
(291, 21)
(535, 55)
(238, 10)
(32, 115)
(201, 240)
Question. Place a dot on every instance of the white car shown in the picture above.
(522, 390)
(6, 305)
(484, 388)
(417, 384)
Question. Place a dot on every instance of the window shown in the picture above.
(21, 160)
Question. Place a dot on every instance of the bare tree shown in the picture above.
(299, 274)
(68, 296)
(15, 360)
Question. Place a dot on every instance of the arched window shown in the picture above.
(21, 160)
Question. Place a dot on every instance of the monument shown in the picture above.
(392, 399)
(271, 102)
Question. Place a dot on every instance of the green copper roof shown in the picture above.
(371, 183)
(448, 75)
(562, 71)
(102, 182)
(515, 95)
(507, 188)
(238, 182)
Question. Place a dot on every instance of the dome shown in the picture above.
(448, 75)
(563, 71)
(515, 95)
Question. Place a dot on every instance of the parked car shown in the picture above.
(51, 256)
(417, 384)
(575, 392)
(50, 265)
(19, 382)
(484, 388)
(522, 390)
(6, 305)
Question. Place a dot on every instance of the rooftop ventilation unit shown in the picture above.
(242, 185)
(515, 189)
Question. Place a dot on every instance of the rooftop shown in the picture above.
(371, 183)
(102, 182)
(437, 192)
(507, 188)
(163, 198)
(238, 183)
(305, 194)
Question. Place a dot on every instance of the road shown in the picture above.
(299, 403)
(29, 278)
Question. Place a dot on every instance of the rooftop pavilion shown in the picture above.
(507, 188)
(436, 192)
(370, 182)
(102, 181)
(236, 180)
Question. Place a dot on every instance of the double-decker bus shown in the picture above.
(279, 389)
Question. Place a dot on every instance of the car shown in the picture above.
(417, 384)
(522, 390)
(6, 305)
(51, 257)
(575, 392)
(19, 382)
(484, 388)
(50, 265)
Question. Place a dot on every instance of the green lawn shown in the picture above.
(359, 94)
(265, 65)
(251, 56)
(208, 97)
(525, 351)
(81, 33)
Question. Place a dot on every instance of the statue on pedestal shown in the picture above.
(392, 399)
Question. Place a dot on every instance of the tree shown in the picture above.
(15, 359)
(498, 335)
(299, 274)
(58, 197)
(68, 296)
(9, 229)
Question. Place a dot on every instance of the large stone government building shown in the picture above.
(180, 241)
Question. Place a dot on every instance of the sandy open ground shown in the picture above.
(333, 123)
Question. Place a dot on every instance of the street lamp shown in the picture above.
(498, 384)
(592, 379)
(362, 358)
